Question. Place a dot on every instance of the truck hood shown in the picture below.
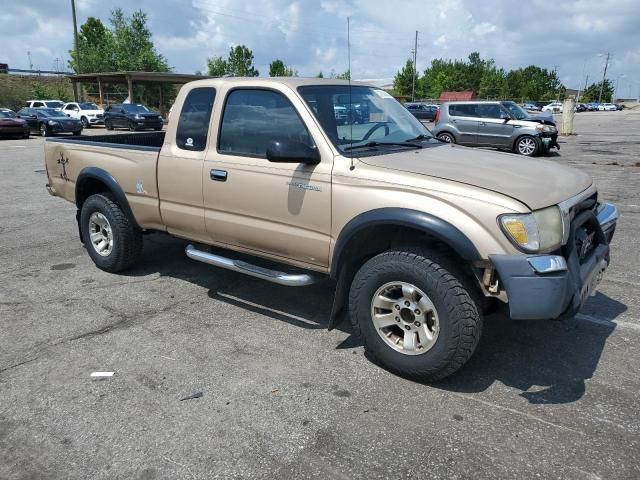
(535, 182)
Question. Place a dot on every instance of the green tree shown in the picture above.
(403, 81)
(320, 75)
(133, 48)
(533, 83)
(217, 66)
(346, 75)
(126, 44)
(277, 68)
(240, 62)
(592, 92)
(95, 43)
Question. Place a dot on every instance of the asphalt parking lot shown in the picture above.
(281, 396)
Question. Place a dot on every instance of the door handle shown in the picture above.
(482, 124)
(218, 175)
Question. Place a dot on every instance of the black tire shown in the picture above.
(26, 135)
(108, 125)
(460, 324)
(126, 238)
(85, 122)
(447, 137)
(77, 133)
(132, 127)
(527, 145)
(44, 131)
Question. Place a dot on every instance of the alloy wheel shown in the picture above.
(405, 318)
(526, 146)
(100, 234)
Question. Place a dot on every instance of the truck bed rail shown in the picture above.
(150, 141)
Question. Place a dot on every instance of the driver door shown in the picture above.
(495, 127)
(278, 210)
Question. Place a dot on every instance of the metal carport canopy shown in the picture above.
(130, 78)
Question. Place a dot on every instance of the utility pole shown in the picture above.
(604, 76)
(415, 70)
(75, 44)
(30, 61)
(75, 35)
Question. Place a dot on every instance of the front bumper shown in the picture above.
(15, 130)
(556, 286)
(95, 120)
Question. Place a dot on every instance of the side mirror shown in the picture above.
(68, 115)
(292, 152)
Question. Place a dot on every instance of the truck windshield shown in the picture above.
(364, 119)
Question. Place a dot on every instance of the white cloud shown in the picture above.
(310, 35)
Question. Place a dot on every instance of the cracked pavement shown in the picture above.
(281, 396)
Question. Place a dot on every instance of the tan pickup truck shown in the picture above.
(319, 178)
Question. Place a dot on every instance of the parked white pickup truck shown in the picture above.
(88, 113)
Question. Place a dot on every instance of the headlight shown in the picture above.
(51, 122)
(546, 128)
(539, 231)
(139, 117)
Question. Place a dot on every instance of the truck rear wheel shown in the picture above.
(113, 243)
(414, 315)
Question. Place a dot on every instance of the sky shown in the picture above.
(572, 36)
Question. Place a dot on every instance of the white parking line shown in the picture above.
(607, 323)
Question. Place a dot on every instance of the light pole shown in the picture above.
(604, 75)
(618, 77)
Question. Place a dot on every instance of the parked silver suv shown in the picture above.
(502, 125)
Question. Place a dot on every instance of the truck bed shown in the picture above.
(149, 141)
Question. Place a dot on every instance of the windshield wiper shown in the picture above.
(377, 144)
(422, 136)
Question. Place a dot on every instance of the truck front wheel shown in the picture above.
(414, 315)
(113, 243)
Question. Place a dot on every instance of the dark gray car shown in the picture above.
(503, 125)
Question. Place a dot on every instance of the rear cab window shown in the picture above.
(195, 116)
(253, 118)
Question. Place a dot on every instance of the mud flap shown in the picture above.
(339, 310)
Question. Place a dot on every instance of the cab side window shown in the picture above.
(193, 124)
(463, 110)
(252, 119)
(490, 110)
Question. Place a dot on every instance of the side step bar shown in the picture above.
(288, 279)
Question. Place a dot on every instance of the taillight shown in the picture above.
(437, 119)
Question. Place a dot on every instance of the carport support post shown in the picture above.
(100, 92)
(160, 107)
(568, 112)
(74, 85)
(130, 88)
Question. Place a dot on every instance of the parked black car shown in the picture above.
(133, 116)
(49, 121)
(423, 111)
(10, 125)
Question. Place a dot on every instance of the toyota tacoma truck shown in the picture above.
(418, 236)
